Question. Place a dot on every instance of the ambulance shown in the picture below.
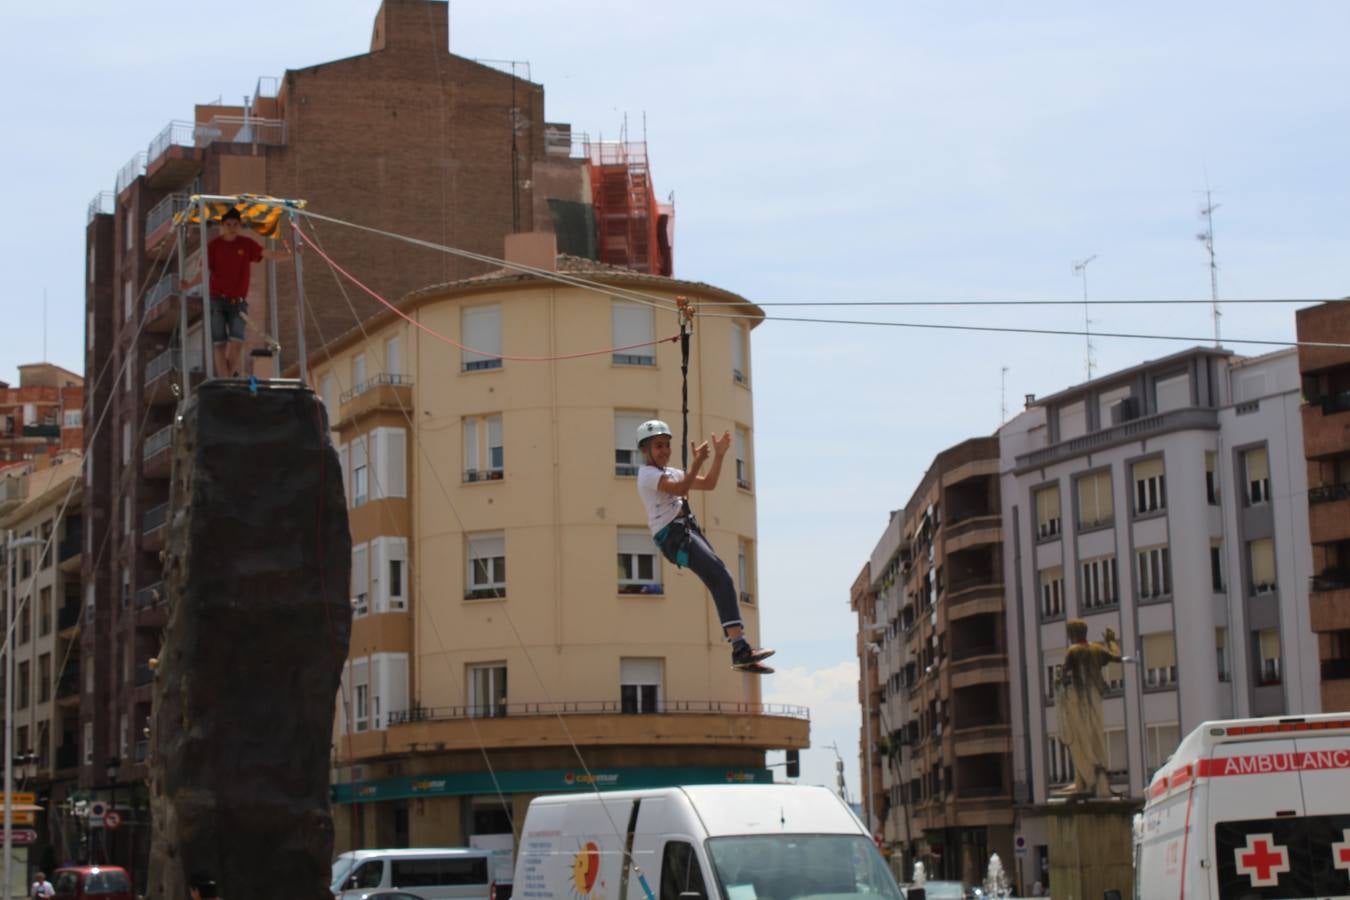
(1250, 809)
(711, 842)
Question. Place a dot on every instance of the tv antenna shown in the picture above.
(1080, 269)
(1003, 396)
(1207, 238)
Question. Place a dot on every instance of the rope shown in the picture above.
(302, 238)
(686, 326)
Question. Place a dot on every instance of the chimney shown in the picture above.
(536, 249)
(1031, 398)
(413, 25)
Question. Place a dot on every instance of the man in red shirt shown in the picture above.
(231, 257)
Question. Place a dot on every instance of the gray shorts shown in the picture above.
(227, 319)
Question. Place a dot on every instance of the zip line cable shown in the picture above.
(1018, 302)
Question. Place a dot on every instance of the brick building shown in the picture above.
(406, 138)
(41, 415)
(1326, 441)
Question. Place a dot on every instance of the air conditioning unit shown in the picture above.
(1126, 410)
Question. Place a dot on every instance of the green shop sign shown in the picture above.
(540, 781)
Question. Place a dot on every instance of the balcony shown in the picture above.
(1329, 513)
(1326, 427)
(1335, 669)
(152, 609)
(157, 453)
(164, 376)
(385, 391)
(159, 226)
(67, 618)
(1329, 600)
(68, 552)
(601, 722)
(162, 306)
(1124, 433)
(173, 158)
(152, 528)
(68, 686)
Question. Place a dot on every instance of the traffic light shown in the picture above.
(794, 764)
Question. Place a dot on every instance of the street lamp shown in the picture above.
(12, 545)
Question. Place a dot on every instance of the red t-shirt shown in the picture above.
(230, 263)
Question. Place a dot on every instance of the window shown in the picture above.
(742, 440)
(1256, 467)
(89, 607)
(1212, 477)
(1099, 583)
(128, 296)
(1052, 592)
(22, 685)
(484, 456)
(1150, 486)
(389, 588)
(25, 613)
(482, 338)
(389, 463)
(373, 687)
(1061, 764)
(1094, 500)
(44, 678)
(125, 507)
(360, 470)
(1107, 402)
(123, 735)
(1159, 659)
(640, 685)
(1162, 740)
(361, 707)
(358, 372)
(486, 571)
(1047, 513)
(487, 691)
(126, 443)
(1268, 657)
(745, 570)
(633, 324)
(1172, 392)
(1216, 566)
(1072, 421)
(44, 612)
(392, 363)
(738, 354)
(437, 873)
(89, 740)
(328, 394)
(71, 418)
(1054, 671)
(1114, 676)
(130, 367)
(361, 579)
(1117, 756)
(1154, 573)
(1262, 556)
(639, 569)
(1221, 653)
(680, 873)
(627, 459)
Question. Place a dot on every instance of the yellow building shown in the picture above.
(516, 630)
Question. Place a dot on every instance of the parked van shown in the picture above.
(715, 842)
(1248, 809)
(434, 873)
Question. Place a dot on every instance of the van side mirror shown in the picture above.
(1111, 895)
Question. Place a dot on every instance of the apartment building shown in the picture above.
(1167, 502)
(42, 415)
(408, 138)
(1326, 441)
(41, 594)
(516, 630)
(943, 706)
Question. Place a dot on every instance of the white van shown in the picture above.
(1248, 809)
(715, 842)
(431, 872)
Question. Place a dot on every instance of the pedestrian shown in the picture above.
(664, 492)
(41, 887)
(202, 887)
(230, 256)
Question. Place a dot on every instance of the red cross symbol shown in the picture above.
(1262, 860)
(1340, 852)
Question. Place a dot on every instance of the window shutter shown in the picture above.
(1263, 561)
(1159, 651)
(1172, 393)
(632, 325)
(344, 460)
(379, 576)
(1149, 468)
(470, 445)
(640, 671)
(1258, 465)
(393, 462)
(482, 333)
(1072, 421)
(391, 361)
(360, 569)
(1270, 643)
(635, 540)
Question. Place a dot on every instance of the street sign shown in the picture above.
(22, 837)
(111, 819)
(1020, 846)
(24, 804)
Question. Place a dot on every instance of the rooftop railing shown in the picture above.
(134, 168)
(1194, 417)
(176, 134)
(240, 130)
(104, 203)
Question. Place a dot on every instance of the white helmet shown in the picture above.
(652, 428)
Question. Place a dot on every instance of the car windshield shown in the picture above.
(795, 866)
(341, 866)
(106, 882)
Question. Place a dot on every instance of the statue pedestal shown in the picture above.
(1091, 847)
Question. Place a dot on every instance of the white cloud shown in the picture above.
(831, 693)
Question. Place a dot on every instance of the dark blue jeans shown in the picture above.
(683, 543)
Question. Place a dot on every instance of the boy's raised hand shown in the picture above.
(720, 444)
(700, 451)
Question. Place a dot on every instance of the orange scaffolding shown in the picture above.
(634, 231)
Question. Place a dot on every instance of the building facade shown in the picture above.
(41, 416)
(1326, 440)
(1168, 503)
(941, 658)
(41, 592)
(516, 630)
(406, 138)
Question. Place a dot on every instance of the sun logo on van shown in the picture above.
(586, 868)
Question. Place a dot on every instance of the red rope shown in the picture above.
(300, 238)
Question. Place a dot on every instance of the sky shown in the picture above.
(859, 151)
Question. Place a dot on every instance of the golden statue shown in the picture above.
(1078, 702)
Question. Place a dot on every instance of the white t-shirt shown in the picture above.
(662, 508)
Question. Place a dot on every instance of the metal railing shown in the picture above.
(176, 134)
(1330, 580)
(157, 442)
(1194, 417)
(240, 130)
(103, 204)
(155, 517)
(150, 596)
(162, 213)
(134, 168)
(373, 382)
(161, 365)
(1336, 403)
(164, 289)
(1329, 493)
(591, 708)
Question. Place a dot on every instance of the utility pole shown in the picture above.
(1206, 237)
(1003, 396)
(1080, 269)
(11, 561)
